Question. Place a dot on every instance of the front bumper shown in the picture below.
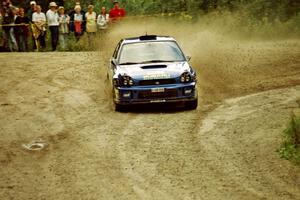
(155, 94)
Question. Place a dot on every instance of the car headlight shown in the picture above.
(126, 81)
(185, 77)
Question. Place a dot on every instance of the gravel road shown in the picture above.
(226, 149)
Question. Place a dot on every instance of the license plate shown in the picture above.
(158, 101)
(156, 90)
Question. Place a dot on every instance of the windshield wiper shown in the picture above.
(156, 61)
(129, 63)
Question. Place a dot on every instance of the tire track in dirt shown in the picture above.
(241, 139)
(92, 159)
(88, 131)
(155, 157)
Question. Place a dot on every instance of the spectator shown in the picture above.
(39, 28)
(1, 30)
(91, 24)
(4, 42)
(17, 12)
(64, 21)
(116, 13)
(29, 15)
(103, 19)
(53, 24)
(78, 22)
(9, 22)
(6, 4)
(31, 10)
(22, 31)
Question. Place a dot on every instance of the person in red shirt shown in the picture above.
(116, 13)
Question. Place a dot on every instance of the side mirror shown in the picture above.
(113, 62)
(188, 58)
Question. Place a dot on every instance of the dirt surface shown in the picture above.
(226, 149)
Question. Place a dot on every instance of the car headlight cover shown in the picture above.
(126, 81)
(185, 77)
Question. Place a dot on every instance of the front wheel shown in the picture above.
(120, 108)
(191, 105)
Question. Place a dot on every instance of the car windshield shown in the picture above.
(143, 52)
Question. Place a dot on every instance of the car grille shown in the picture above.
(168, 93)
(157, 82)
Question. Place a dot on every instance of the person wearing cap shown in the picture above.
(31, 10)
(53, 24)
(29, 14)
(116, 13)
(77, 24)
(64, 21)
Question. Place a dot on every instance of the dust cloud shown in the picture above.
(93, 152)
(229, 61)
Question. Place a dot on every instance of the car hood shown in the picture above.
(150, 71)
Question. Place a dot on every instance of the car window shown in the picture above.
(150, 51)
(116, 50)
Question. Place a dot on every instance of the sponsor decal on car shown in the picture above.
(156, 76)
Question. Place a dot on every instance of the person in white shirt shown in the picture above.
(103, 19)
(91, 24)
(53, 23)
(39, 19)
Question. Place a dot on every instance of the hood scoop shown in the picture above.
(153, 66)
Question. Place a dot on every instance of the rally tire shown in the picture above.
(120, 108)
(191, 105)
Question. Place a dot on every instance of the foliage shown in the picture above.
(291, 146)
(238, 18)
(263, 18)
(258, 9)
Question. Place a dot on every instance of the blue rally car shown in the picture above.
(151, 69)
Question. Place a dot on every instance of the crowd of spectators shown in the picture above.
(20, 26)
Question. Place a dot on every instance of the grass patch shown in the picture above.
(291, 146)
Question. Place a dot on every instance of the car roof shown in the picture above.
(147, 38)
